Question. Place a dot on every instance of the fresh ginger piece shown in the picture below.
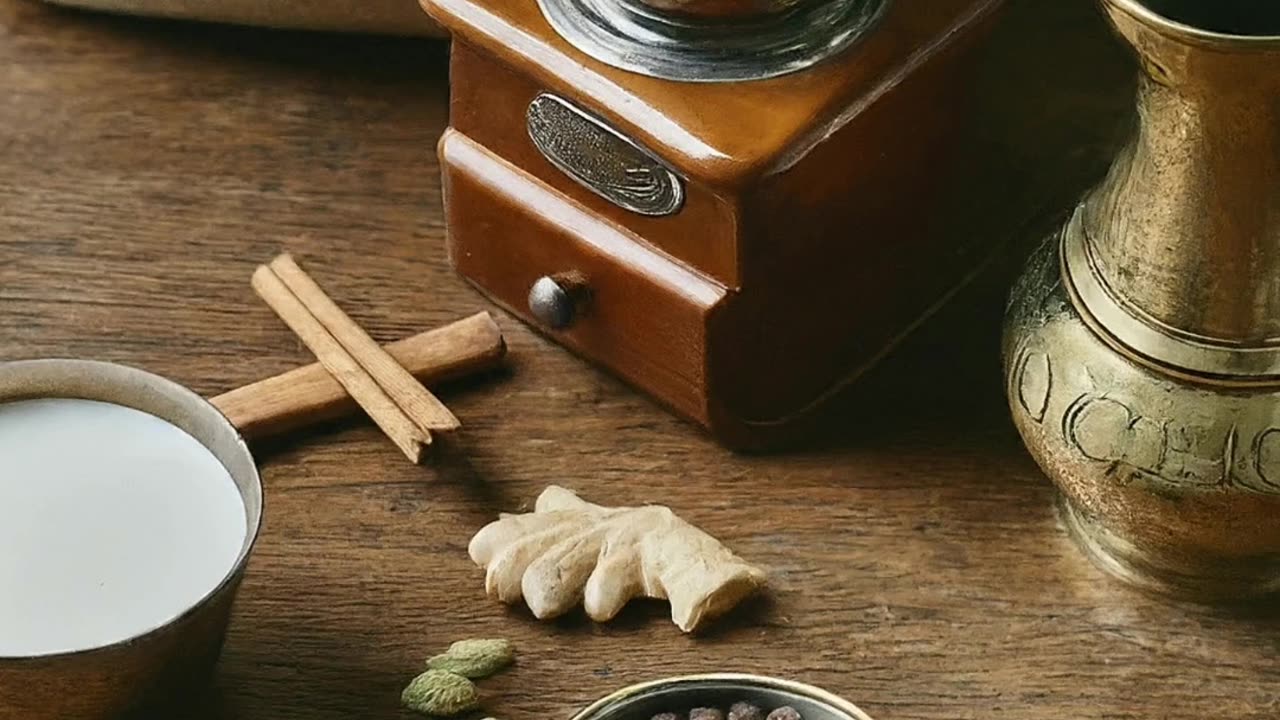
(569, 552)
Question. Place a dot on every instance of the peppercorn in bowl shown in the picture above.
(722, 697)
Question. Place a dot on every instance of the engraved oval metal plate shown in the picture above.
(601, 159)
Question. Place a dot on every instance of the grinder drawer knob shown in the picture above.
(557, 300)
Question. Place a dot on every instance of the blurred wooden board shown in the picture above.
(394, 17)
(145, 169)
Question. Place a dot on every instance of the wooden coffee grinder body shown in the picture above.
(783, 238)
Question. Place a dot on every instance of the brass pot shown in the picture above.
(1142, 344)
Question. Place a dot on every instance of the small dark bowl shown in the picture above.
(680, 694)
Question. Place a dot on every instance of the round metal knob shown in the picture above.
(556, 301)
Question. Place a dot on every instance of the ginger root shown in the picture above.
(569, 551)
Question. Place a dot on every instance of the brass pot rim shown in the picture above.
(190, 400)
(1165, 25)
(595, 711)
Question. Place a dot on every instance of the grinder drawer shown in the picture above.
(619, 301)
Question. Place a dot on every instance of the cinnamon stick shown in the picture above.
(412, 440)
(309, 394)
(423, 408)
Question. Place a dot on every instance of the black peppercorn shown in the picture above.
(706, 714)
(737, 711)
(786, 712)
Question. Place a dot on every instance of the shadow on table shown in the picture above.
(1053, 101)
(647, 615)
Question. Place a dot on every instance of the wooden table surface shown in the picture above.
(917, 565)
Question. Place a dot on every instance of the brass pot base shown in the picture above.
(1173, 485)
(1203, 583)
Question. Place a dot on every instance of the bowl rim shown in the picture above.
(594, 710)
(119, 374)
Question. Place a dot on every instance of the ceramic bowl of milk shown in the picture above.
(128, 509)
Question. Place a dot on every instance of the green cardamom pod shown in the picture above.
(440, 693)
(475, 659)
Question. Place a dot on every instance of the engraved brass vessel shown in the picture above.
(1142, 344)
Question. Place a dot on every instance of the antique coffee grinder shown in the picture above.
(726, 202)
(1142, 345)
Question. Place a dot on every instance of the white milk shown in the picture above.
(112, 523)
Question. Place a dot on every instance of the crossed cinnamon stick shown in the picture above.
(353, 367)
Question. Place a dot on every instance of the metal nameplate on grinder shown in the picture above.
(601, 159)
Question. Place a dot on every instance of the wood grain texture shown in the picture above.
(397, 17)
(918, 568)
